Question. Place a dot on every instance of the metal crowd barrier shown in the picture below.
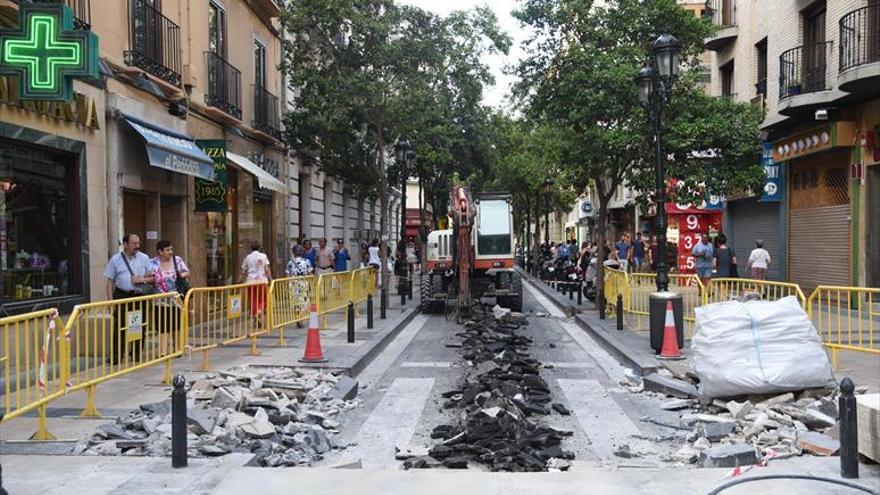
(31, 365)
(724, 289)
(108, 339)
(616, 284)
(642, 285)
(845, 320)
(334, 292)
(219, 316)
(290, 300)
(363, 284)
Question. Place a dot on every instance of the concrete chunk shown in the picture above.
(717, 431)
(259, 429)
(817, 443)
(739, 410)
(729, 456)
(224, 399)
(345, 389)
(669, 386)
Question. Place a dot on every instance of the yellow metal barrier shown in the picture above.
(217, 316)
(642, 285)
(334, 292)
(108, 339)
(844, 318)
(363, 284)
(724, 289)
(289, 302)
(31, 365)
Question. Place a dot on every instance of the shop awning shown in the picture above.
(264, 179)
(172, 151)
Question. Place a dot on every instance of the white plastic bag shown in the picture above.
(757, 347)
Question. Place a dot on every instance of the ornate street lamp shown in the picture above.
(654, 89)
(403, 156)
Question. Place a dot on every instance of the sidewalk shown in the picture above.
(118, 396)
(631, 346)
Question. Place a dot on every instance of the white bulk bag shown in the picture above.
(757, 347)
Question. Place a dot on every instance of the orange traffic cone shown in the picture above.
(313, 354)
(670, 348)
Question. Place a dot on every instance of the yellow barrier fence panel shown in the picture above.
(363, 284)
(224, 315)
(844, 318)
(616, 283)
(290, 300)
(725, 289)
(108, 339)
(334, 290)
(32, 365)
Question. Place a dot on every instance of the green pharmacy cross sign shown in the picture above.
(46, 53)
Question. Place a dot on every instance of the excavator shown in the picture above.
(474, 259)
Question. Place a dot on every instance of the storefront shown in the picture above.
(819, 214)
(750, 220)
(51, 215)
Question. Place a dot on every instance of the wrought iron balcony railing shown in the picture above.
(860, 37)
(721, 13)
(154, 41)
(266, 118)
(82, 10)
(803, 69)
(224, 85)
(761, 87)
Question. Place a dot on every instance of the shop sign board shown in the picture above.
(772, 190)
(211, 194)
(47, 53)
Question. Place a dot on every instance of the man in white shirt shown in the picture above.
(759, 261)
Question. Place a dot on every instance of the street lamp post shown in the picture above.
(655, 91)
(403, 156)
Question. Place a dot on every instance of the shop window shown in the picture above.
(39, 223)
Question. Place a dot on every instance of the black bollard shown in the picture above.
(409, 288)
(383, 303)
(580, 290)
(849, 430)
(350, 323)
(178, 423)
(601, 301)
(570, 291)
(370, 311)
(403, 298)
(620, 311)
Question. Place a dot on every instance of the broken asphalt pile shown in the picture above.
(748, 430)
(284, 416)
(501, 392)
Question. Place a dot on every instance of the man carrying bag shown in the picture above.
(128, 276)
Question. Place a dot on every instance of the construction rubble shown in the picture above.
(284, 416)
(743, 430)
(497, 406)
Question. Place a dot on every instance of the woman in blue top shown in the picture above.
(309, 252)
(340, 256)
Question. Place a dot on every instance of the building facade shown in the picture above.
(814, 67)
(177, 136)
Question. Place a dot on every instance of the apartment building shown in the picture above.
(171, 129)
(813, 66)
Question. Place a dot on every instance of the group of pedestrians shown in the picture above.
(719, 259)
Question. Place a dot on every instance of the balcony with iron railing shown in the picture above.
(804, 80)
(860, 51)
(154, 41)
(82, 10)
(224, 86)
(266, 119)
(722, 15)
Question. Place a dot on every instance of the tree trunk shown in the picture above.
(537, 236)
(600, 253)
(383, 205)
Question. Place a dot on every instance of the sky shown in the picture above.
(497, 95)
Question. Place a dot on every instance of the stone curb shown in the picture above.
(639, 361)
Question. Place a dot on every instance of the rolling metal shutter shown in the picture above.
(750, 221)
(819, 247)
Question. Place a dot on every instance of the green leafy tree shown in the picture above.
(578, 76)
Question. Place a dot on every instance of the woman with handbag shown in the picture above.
(170, 274)
(725, 259)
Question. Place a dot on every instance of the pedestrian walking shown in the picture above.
(309, 252)
(653, 254)
(725, 259)
(323, 258)
(340, 256)
(170, 274)
(624, 251)
(638, 253)
(759, 261)
(298, 266)
(704, 255)
(255, 271)
(128, 275)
